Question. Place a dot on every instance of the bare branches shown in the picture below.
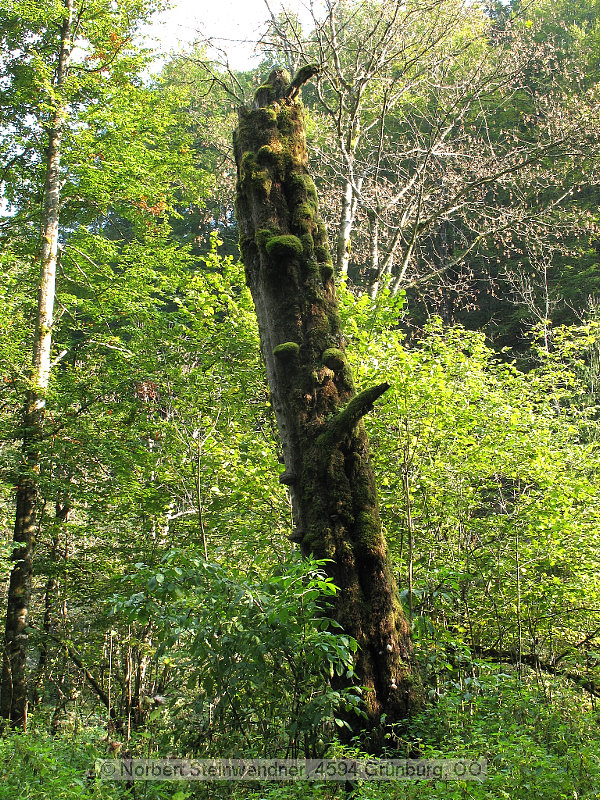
(436, 122)
(222, 76)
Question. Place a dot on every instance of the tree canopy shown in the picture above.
(202, 558)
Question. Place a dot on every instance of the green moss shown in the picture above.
(320, 237)
(317, 325)
(347, 377)
(251, 171)
(286, 351)
(344, 422)
(303, 217)
(274, 158)
(262, 181)
(266, 155)
(335, 321)
(305, 73)
(322, 254)
(286, 246)
(247, 163)
(303, 187)
(365, 491)
(264, 95)
(310, 206)
(367, 531)
(334, 359)
(318, 338)
(303, 193)
(264, 118)
(285, 121)
(327, 270)
(262, 236)
(308, 246)
(256, 124)
(319, 541)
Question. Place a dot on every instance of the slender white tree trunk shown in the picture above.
(13, 701)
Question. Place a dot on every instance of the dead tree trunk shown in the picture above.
(319, 415)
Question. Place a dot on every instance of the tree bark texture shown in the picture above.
(319, 415)
(13, 700)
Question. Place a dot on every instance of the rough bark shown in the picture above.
(319, 415)
(51, 597)
(13, 701)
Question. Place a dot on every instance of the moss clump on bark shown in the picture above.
(327, 270)
(334, 358)
(335, 321)
(286, 351)
(285, 121)
(346, 420)
(265, 119)
(364, 488)
(367, 532)
(273, 89)
(303, 188)
(308, 246)
(319, 542)
(266, 154)
(286, 246)
(264, 95)
(303, 218)
(273, 156)
(259, 176)
(263, 235)
(322, 254)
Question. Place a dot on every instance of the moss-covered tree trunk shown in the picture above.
(319, 415)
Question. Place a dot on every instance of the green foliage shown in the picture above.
(489, 490)
(160, 440)
(535, 733)
(531, 745)
(255, 652)
(37, 766)
(550, 750)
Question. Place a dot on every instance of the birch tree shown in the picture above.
(58, 56)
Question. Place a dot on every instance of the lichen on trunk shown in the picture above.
(289, 271)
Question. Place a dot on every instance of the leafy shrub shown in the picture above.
(255, 653)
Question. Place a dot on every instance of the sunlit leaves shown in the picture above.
(489, 481)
